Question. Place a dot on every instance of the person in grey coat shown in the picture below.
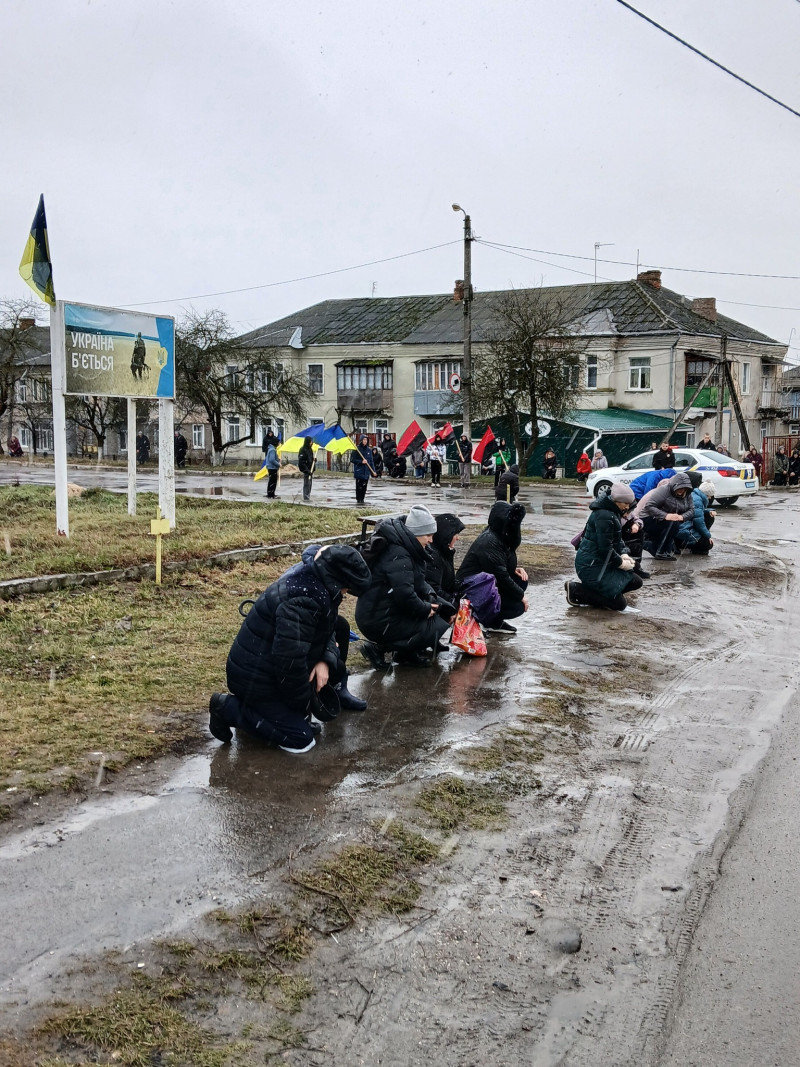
(662, 510)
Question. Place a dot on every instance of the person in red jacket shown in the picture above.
(584, 467)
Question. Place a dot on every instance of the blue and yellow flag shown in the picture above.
(35, 267)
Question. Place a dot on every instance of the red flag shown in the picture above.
(445, 436)
(412, 438)
(485, 447)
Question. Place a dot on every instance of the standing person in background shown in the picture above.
(599, 461)
(419, 462)
(465, 460)
(502, 459)
(707, 444)
(754, 456)
(271, 461)
(780, 467)
(181, 446)
(306, 461)
(142, 447)
(549, 464)
(363, 467)
(438, 454)
(584, 467)
(664, 457)
(794, 467)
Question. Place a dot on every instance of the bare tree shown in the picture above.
(16, 318)
(530, 362)
(34, 403)
(97, 415)
(234, 386)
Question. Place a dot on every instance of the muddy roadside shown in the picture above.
(502, 859)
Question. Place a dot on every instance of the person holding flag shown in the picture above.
(485, 448)
(363, 467)
(501, 460)
(437, 450)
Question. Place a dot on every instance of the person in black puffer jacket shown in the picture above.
(440, 571)
(285, 651)
(306, 461)
(399, 610)
(508, 485)
(495, 552)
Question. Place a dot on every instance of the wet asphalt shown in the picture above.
(160, 848)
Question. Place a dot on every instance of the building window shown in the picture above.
(696, 370)
(360, 426)
(744, 379)
(380, 427)
(591, 372)
(364, 377)
(198, 435)
(316, 382)
(45, 435)
(22, 391)
(232, 376)
(271, 423)
(231, 428)
(639, 373)
(122, 437)
(435, 376)
(25, 437)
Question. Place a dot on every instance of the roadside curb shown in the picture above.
(47, 583)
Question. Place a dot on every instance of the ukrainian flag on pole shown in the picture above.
(35, 267)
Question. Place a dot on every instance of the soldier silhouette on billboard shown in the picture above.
(138, 365)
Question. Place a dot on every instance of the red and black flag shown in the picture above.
(486, 447)
(412, 438)
(445, 436)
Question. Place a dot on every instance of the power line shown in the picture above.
(290, 281)
(703, 55)
(630, 263)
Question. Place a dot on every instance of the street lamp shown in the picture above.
(466, 368)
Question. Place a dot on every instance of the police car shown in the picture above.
(731, 479)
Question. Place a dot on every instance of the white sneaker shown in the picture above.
(298, 750)
(628, 610)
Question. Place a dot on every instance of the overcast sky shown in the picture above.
(189, 147)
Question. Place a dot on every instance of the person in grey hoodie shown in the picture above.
(662, 510)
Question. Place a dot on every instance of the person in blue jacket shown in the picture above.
(694, 532)
(363, 467)
(645, 482)
(272, 462)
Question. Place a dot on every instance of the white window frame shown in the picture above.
(22, 391)
(360, 426)
(746, 378)
(232, 428)
(434, 376)
(313, 381)
(25, 437)
(122, 440)
(278, 427)
(639, 368)
(380, 427)
(592, 364)
(45, 435)
(198, 435)
(372, 376)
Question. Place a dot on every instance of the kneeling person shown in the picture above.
(285, 651)
(494, 552)
(399, 611)
(604, 567)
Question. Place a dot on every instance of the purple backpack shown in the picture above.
(482, 592)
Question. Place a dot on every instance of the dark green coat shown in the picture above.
(600, 551)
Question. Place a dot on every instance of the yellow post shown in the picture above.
(158, 527)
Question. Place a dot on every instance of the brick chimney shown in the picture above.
(706, 306)
(26, 324)
(650, 277)
(458, 292)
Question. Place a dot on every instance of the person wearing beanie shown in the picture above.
(602, 563)
(494, 553)
(284, 664)
(399, 612)
(694, 532)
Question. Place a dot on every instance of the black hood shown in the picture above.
(447, 526)
(506, 521)
(342, 567)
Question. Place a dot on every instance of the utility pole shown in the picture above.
(466, 365)
(721, 380)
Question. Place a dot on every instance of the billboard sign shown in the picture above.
(118, 353)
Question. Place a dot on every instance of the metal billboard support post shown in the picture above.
(131, 456)
(58, 376)
(166, 460)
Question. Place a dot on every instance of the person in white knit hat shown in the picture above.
(399, 613)
(603, 564)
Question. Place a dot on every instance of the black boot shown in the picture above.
(375, 655)
(216, 718)
(349, 701)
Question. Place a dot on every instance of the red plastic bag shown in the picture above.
(467, 634)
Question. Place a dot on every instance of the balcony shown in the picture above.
(774, 402)
(364, 400)
(436, 402)
(706, 398)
